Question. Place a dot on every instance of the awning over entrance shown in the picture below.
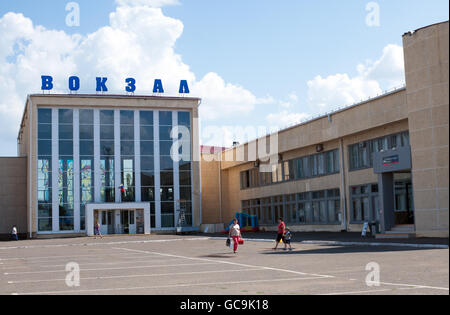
(121, 218)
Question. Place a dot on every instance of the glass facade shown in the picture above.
(66, 170)
(361, 154)
(82, 172)
(166, 168)
(318, 207)
(316, 165)
(44, 170)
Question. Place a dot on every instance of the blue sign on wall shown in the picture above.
(74, 85)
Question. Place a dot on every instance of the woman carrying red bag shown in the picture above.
(235, 234)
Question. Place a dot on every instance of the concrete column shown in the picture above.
(386, 193)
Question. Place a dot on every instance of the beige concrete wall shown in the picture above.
(13, 195)
(211, 205)
(427, 79)
(378, 112)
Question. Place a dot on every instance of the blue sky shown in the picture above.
(271, 49)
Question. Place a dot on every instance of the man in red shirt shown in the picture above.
(280, 233)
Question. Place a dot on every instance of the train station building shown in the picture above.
(84, 159)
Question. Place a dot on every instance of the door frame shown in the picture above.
(91, 207)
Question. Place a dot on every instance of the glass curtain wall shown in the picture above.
(86, 162)
(44, 168)
(107, 188)
(185, 169)
(66, 170)
(147, 162)
(166, 167)
(127, 155)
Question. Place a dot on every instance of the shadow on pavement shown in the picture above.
(333, 249)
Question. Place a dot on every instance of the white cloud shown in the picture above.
(325, 94)
(139, 42)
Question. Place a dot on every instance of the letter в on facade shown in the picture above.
(47, 83)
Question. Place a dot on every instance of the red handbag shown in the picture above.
(241, 241)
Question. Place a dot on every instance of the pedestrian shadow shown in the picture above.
(220, 255)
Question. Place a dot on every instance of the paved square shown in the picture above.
(180, 265)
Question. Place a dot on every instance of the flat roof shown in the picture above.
(120, 96)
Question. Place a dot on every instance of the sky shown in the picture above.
(254, 62)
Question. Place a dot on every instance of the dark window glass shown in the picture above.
(127, 147)
(164, 133)
(147, 148)
(86, 132)
(44, 116)
(185, 178)
(107, 117)
(65, 147)
(66, 132)
(45, 132)
(184, 119)
(166, 193)
(148, 194)
(45, 225)
(167, 207)
(126, 117)
(148, 179)
(107, 132)
(147, 133)
(107, 147)
(166, 163)
(185, 165)
(146, 118)
(65, 116)
(185, 193)
(86, 147)
(166, 178)
(126, 133)
(165, 118)
(165, 147)
(86, 117)
(147, 163)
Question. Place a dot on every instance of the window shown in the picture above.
(318, 207)
(301, 168)
(361, 154)
(363, 203)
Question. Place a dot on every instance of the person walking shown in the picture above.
(97, 230)
(235, 234)
(280, 233)
(14, 233)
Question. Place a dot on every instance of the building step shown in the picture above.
(403, 228)
(398, 235)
